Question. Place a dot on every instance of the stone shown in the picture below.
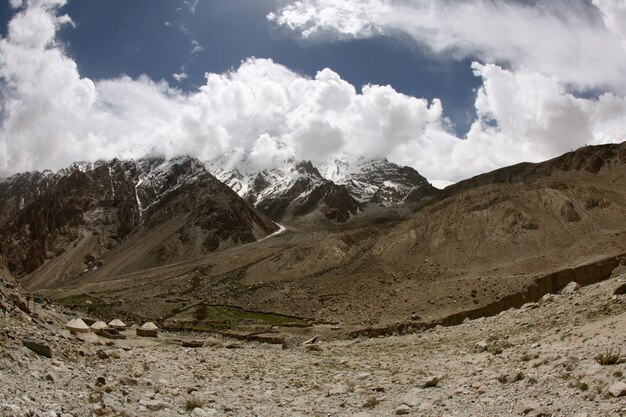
(212, 343)
(547, 298)
(126, 380)
(38, 347)
(101, 354)
(411, 398)
(525, 407)
(314, 348)
(109, 401)
(618, 389)
(620, 289)
(193, 344)
(203, 412)
(289, 343)
(98, 410)
(154, 405)
(480, 346)
(570, 288)
(429, 382)
(338, 389)
(403, 410)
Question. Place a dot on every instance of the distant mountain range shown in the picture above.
(91, 208)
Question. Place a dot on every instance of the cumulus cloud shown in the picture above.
(577, 42)
(264, 113)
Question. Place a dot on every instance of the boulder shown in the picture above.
(570, 288)
(618, 389)
(38, 347)
(212, 343)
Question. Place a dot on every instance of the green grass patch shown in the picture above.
(220, 318)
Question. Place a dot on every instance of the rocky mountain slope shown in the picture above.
(337, 188)
(481, 245)
(71, 219)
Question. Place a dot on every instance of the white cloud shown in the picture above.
(574, 41)
(180, 76)
(196, 48)
(192, 4)
(52, 116)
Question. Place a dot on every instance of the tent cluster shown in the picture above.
(110, 330)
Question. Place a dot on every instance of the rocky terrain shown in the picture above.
(472, 287)
(561, 356)
(61, 225)
(504, 238)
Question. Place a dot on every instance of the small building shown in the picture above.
(98, 326)
(149, 329)
(77, 325)
(117, 324)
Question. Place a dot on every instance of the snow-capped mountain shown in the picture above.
(377, 181)
(366, 181)
(291, 189)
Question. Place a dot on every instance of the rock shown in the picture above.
(480, 346)
(429, 382)
(154, 405)
(49, 377)
(338, 389)
(618, 389)
(403, 410)
(547, 298)
(203, 412)
(193, 344)
(100, 381)
(525, 407)
(98, 410)
(314, 348)
(126, 380)
(289, 343)
(411, 398)
(530, 306)
(212, 343)
(620, 289)
(38, 347)
(109, 401)
(102, 354)
(570, 288)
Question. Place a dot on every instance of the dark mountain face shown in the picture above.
(87, 210)
(20, 190)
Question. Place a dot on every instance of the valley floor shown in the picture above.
(539, 360)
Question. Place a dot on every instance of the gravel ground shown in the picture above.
(540, 360)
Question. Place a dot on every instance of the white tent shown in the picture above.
(77, 325)
(149, 329)
(117, 324)
(99, 325)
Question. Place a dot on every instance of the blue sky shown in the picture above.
(156, 38)
(453, 87)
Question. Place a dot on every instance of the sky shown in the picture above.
(452, 88)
